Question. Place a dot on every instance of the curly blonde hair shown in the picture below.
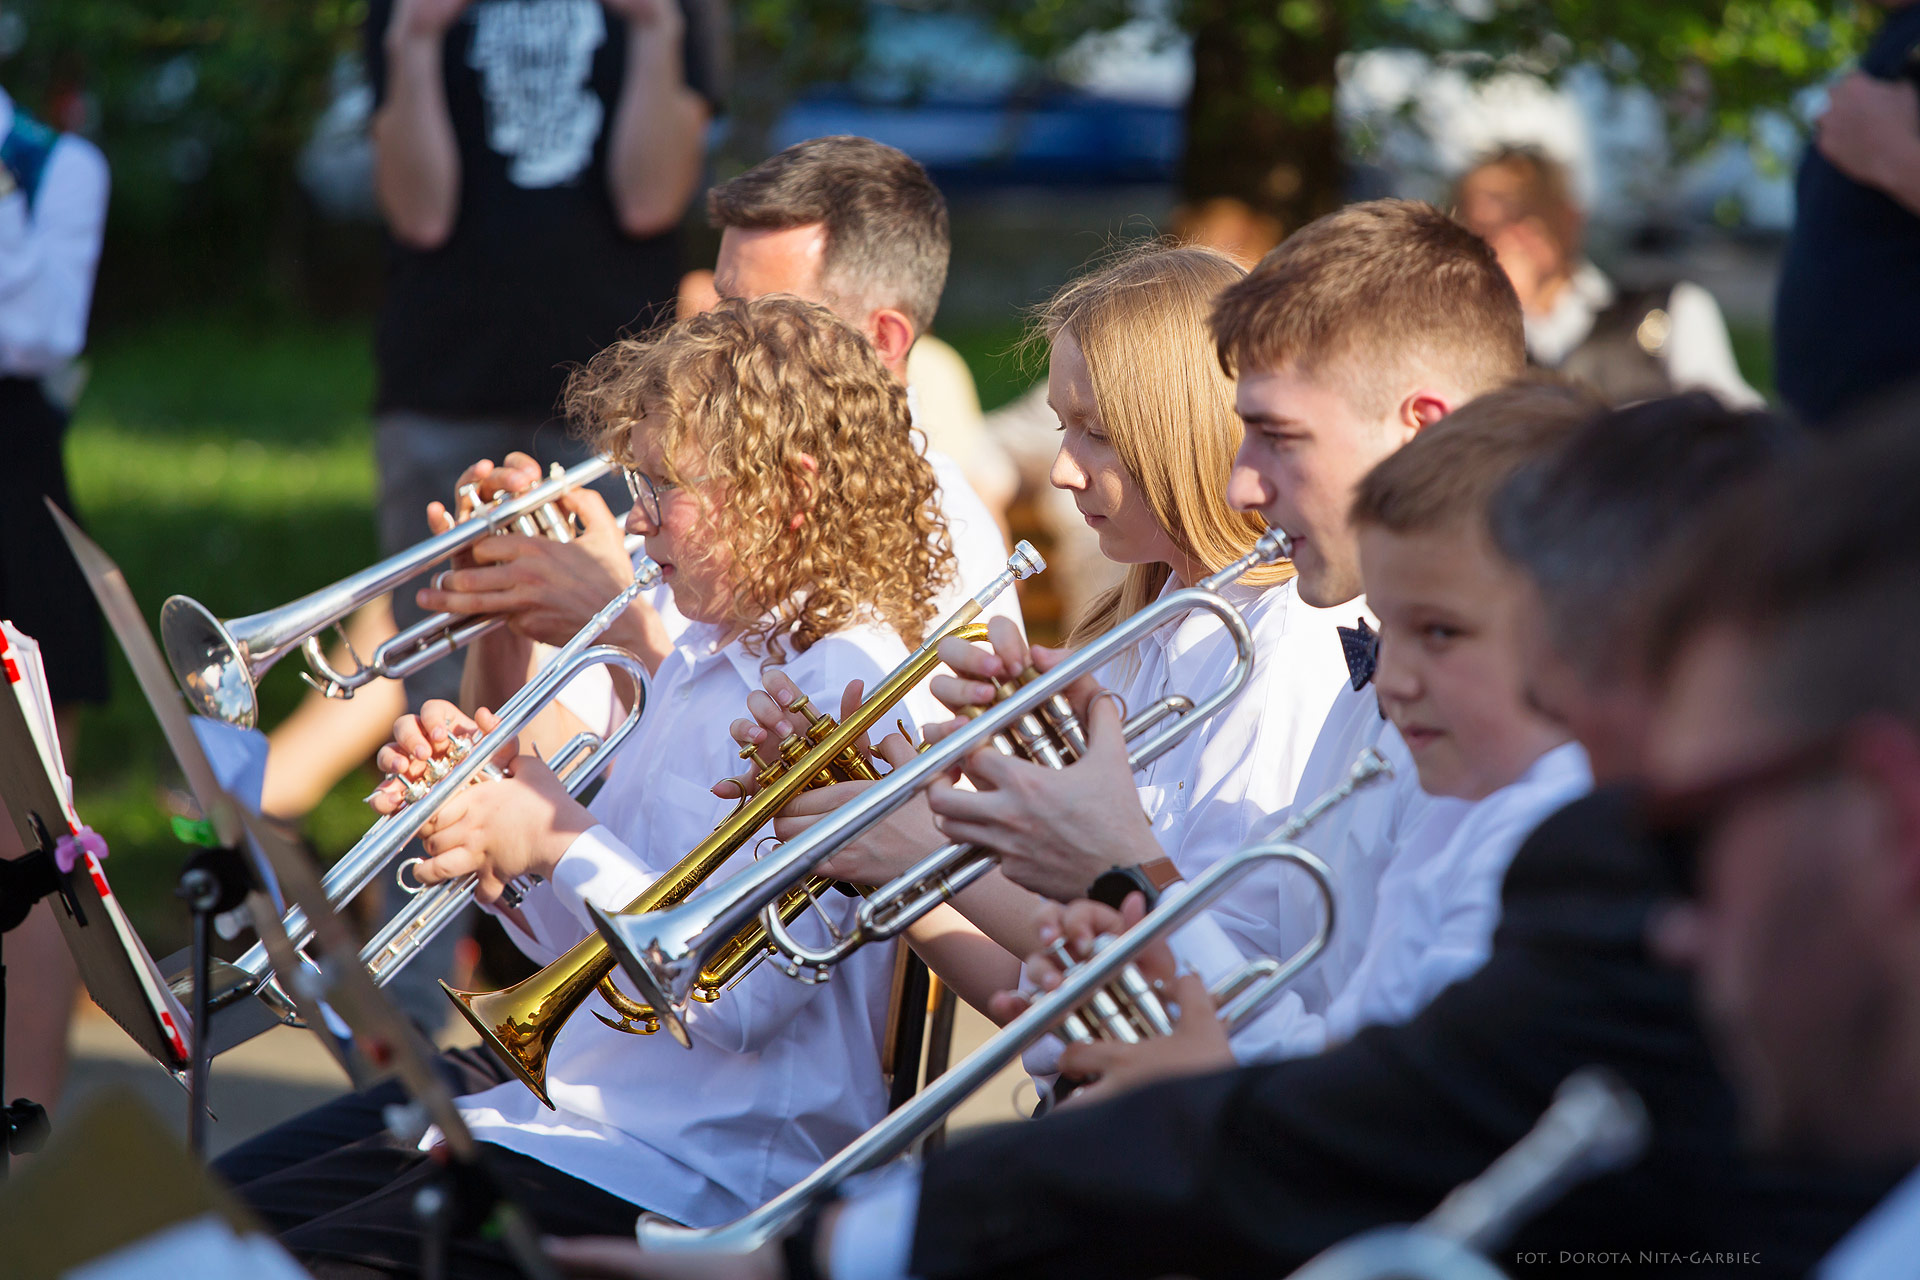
(756, 388)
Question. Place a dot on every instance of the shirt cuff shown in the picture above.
(598, 868)
(873, 1237)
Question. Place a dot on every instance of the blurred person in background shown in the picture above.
(53, 209)
(532, 162)
(1627, 344)
(1843, 327)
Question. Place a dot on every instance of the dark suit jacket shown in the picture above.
(1252, 1172)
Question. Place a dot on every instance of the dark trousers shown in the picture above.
(338, 1189)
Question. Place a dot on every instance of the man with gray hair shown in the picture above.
(847, 222)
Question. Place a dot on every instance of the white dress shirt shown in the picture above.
(1218, 789)
(1698, 353)
(48, 254)
(1433, 905)
(1884, 1243)
(1275, 910)
(781, 1074)
(1436, 916)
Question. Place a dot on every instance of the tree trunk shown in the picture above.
(1260, 125)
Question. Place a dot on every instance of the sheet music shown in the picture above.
(27, 678)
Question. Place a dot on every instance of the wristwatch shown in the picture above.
(1151, 878)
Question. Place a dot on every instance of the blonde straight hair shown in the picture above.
(1142, 323)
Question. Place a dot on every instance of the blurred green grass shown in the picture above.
(234, 465)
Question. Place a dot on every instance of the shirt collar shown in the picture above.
(1885, 1242)
(1553, 336)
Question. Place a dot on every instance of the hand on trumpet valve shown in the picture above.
(425, 748)
(545, 588)
(1055, 825)
(1106, 1067)
(517, 825)
(877, 854)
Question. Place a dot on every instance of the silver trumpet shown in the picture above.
(430, 908)
(219, 663)
(1049, 734)
(1596, 1124)
(664, 951)
(1103, 997)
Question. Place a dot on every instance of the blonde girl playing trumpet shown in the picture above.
(1147, 438)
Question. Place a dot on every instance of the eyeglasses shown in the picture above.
(1679, 823)
(647, 493)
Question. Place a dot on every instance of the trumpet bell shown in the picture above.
(210, 664)
(510, 1024)
(663, 978)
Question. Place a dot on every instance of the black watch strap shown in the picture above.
(1112, 887)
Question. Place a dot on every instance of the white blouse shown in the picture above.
(781, 1074)
(1221, 786)
(48, 254)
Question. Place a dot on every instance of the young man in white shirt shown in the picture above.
(1785, 756)
(1362, 329)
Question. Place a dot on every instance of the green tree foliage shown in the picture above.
(201, 107)
(1260, 124)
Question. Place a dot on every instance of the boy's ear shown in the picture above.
(1424, 407)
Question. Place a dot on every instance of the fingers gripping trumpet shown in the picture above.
(665, 951)
(1104, 996)
(430, 908)
(522, 1022)
(218, 663)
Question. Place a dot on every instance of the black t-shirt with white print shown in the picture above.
(537, 274)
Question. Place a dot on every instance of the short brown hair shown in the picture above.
(754, 386)
(1449, 473)
(1815, 562)
(1374, 296)
(887, 237)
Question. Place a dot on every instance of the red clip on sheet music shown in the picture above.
(27, 678)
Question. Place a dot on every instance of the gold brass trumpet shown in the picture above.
(664, 951)
(522, 1022)
(1102, 997)
(219, 662)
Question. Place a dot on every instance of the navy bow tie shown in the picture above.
(1361, 644)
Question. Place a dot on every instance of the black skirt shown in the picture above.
(42, 591)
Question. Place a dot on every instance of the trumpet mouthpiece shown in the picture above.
(1026, 561)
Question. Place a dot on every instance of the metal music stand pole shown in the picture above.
(213, 881)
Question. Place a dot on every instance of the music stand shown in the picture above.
(213, 880)
(466, 1197)
(113, 973)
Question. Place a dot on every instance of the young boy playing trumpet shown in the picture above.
(755, 434)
